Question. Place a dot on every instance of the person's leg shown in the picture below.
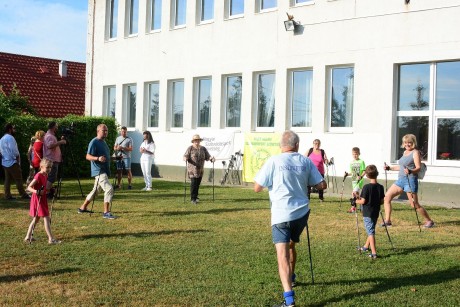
(104, 183)
(284, 265)
(91, 194)
(52, 176)
(149, 173)
(371, 240)
(193, 188)
(414, 202)
(46, 221)
(130, 177)
(7, 183)
(16, 173)
(392, 192)
(321, 192)
(198, 182)
(31, 226)
(144, 172)
(119, 174)
(293, 259)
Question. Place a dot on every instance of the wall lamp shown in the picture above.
(291, 24)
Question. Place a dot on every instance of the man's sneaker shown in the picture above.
(148, 189)
(130, 187)
(373, 256)
(352, 210)
(108, 215)
(388, 224)
(283, 304)
(193, 202)
(197, 200)
(429, 224)
(84, 211)
(144, 189)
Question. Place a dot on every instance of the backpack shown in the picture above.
(311, 150)
(421, 173)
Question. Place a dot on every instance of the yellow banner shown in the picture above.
(258, 147)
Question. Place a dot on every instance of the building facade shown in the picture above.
(351, 73)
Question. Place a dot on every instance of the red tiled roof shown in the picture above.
(38, 78)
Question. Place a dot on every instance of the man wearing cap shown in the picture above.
(195, 156)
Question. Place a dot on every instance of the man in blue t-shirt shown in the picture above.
(287, 177)
(99, 155)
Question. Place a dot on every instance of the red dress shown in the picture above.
(43, 208)
(38, 154)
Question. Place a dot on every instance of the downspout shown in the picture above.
(92, 60)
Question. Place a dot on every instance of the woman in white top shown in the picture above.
(147, 158)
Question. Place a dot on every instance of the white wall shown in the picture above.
(371, 35)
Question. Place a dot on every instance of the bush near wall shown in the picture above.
(75, 152)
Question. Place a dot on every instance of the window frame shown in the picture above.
(290, 87)
(132, 21)
(171, 98)
(198, 90)
(431, 113)
(111, 20)
(151, 16)
(294, 3)
(228, 10)
(199, 12)
(127, 118)
(256, 100)
(260, 9)
(330, 128)
(148, 105)
(174, 13)
(225, 89)
(107, 98)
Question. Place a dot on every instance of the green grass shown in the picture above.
(162, 252)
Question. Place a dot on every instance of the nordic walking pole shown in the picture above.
(36, 214)
(309, 253)
(386, 229)
(386, 184)
(343, 187)
(412, 202)
(213, 160)
(185, 181)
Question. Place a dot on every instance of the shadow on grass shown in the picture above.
(14, 204)
(212, 211)
(140, 234)
(424, 248)
(25, 277)
(385, 284)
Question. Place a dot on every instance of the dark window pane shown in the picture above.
(448, 139)
(416, 125)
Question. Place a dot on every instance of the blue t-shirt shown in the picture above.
(287, 177)
(99, 148)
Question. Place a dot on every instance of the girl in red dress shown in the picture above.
(39, 202)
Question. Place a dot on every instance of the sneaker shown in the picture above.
(193, 202)
(108, 215)
(388, 224)
(373, 256)
(84, 211)
(352, 210)
(283, 304)
(293, 280)
(148, 189)
(130, 187)
(144, 189)
(197, 200)
(429, 224)
(54, 241)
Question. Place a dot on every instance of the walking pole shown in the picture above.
(343, 187)
(185, 181)
(386, 229)
(36, 214)
(386, 185)
(213, 179)
(412, 199)
(309, 253)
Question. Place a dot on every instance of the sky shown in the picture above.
(54, 29)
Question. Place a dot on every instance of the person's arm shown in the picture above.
(321, 186)
(417, 162)
(51, 144)
(257, 187)
(361, 201)
(90, 157)
(31, 189)
(325, 160)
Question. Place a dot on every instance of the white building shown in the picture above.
(353, 73)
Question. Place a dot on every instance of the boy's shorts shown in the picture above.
(369, 224)
(403, 184)
(289, 231)
(126, 162)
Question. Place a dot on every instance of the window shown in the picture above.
(179, 12)
(130, 105)
(206, 8)
(428, 106)
(266, 100)
(112, 13)
(110, 100)
(155, 15)
(234, 8)
(132, 10)
(233, 91)
(301, 96)
(267, 4)
(297, 2)
(153, 104)
(341, 97)
(204, 86)
(177, 104)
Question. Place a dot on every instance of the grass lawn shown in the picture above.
(162, 252)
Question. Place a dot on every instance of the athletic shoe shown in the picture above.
(193, 202)
(197, 200)
(373, 256)
(54, 241)
(148, 189)
(108, 215)
(429, 224)
(84, 211)
(130, 187)
(144, 189)
(283, 304)
(388, 224)
(352, 210)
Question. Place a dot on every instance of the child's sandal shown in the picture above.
(363, 249)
